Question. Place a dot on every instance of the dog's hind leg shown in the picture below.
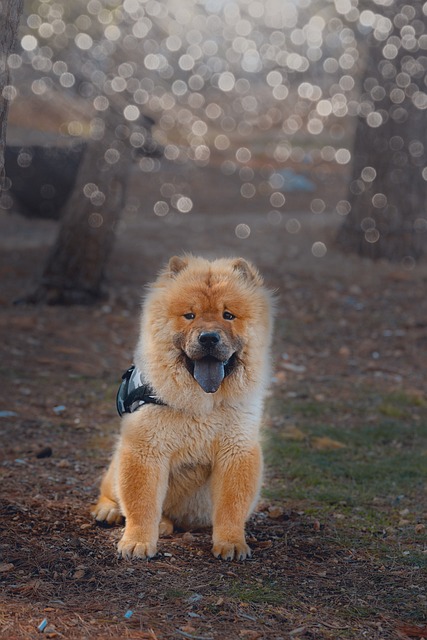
(107, 510)
(165, 526)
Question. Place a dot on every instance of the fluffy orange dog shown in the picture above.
(194, 459)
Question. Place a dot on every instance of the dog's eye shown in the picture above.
(189, 316)
(228, 316)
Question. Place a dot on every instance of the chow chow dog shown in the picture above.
(189, 455)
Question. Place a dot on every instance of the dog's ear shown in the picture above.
(247, 271)
(177, 264)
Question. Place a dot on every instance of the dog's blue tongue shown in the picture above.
(209, 373)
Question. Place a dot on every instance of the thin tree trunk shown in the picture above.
(10, 12)
(387, 191)
(74, 270)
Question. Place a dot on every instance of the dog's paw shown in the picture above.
(165, 527)
(107, 511)
(130, 548)
(231, 550)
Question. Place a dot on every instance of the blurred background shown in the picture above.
(289, 115)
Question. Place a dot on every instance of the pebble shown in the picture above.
(275, 512)
(45, 452)
(188, 537)
(59, 409)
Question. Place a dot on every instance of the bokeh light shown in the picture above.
(252, 89)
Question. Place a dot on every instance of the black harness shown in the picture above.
(133, 393)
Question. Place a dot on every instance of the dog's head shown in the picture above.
(209, 317)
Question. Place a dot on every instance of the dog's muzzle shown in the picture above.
(209, 360)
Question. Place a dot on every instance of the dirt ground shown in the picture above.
(60, 369)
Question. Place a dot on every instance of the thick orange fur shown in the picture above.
(197, 460)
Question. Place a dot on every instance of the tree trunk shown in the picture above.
(74, 271)
(10, 12)
(387, 191)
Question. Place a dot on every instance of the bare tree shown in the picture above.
(10, 12)
(74, 270)
(387, 192)
(75, 266)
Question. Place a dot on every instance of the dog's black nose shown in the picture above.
(209, 338)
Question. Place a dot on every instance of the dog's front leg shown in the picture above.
(142, 484)
(236, 480)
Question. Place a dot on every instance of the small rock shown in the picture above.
(355, 290)
(64, 464)
(344, 352)
(79, 574)
(59, 409)
(45, 452)
(298, 631)
(188, 537)
(294, 368)
(275, 512)
(196, 597)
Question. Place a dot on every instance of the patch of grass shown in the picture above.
(175, 594)
(391, 411)
(415, 559)
(400, 404)
(311, 409)
(255, 593)
(384, 457)
(373, 464)
(405, 399)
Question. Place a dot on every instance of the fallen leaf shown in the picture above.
(6, 566)
(266, 544)
(250, 634)
(413, 632)
(292, 433)
(326, 444)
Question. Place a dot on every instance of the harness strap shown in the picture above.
(133, 393)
